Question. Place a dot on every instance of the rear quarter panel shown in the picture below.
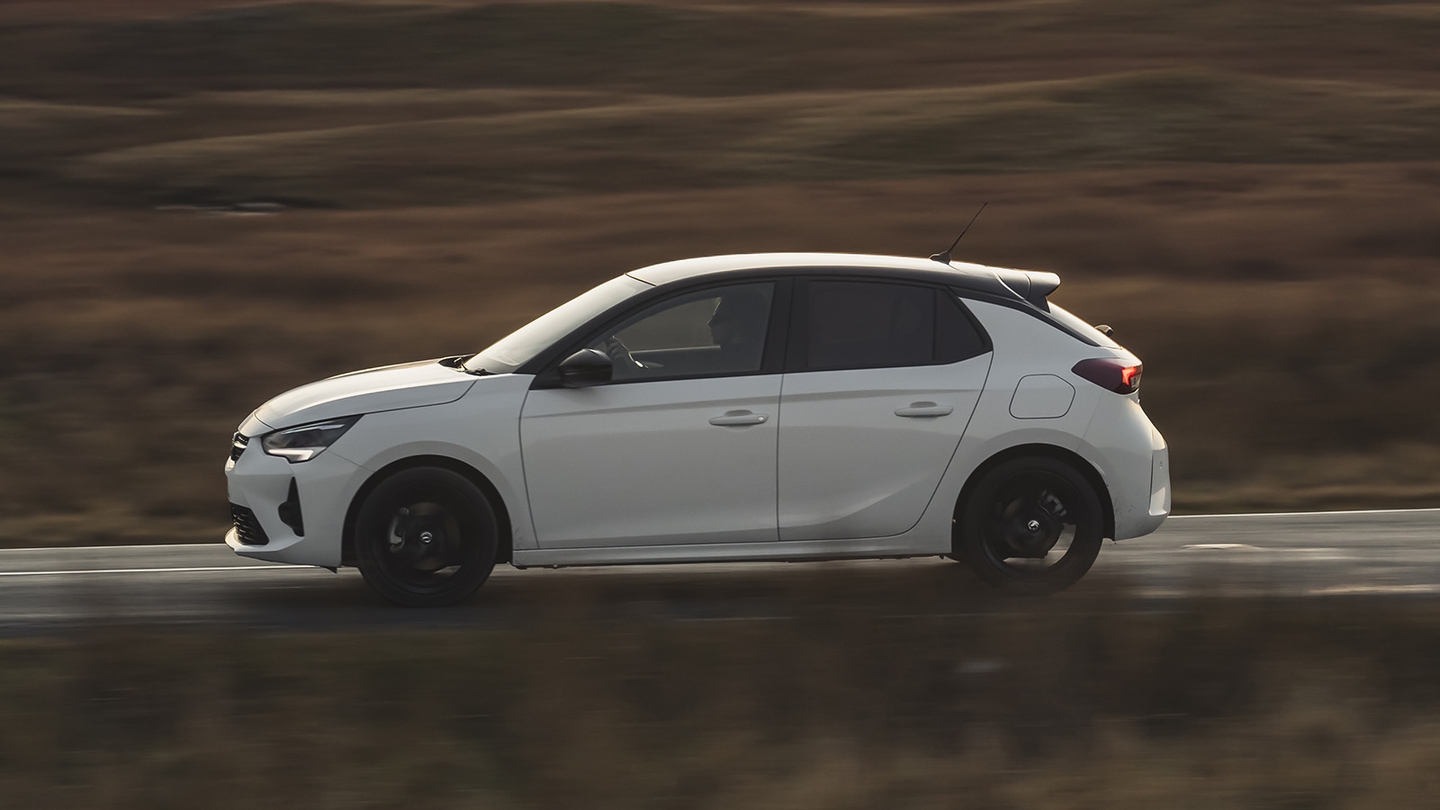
(1024, 345)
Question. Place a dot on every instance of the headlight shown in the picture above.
(305, 442)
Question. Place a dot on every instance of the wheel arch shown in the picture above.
(1079, 462)
(505, 540)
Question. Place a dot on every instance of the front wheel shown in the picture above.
(426, 537)
(1031, 525)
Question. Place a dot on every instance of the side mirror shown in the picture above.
(585, 368)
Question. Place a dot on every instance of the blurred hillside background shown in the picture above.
(204, 203)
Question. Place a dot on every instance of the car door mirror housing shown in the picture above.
(585, 368)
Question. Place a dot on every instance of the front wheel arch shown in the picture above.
(1070, 457)
(505, 540)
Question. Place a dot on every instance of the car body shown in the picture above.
(870, 402)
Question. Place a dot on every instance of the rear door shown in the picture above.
(881, 380)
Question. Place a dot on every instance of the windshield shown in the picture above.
(516, 349)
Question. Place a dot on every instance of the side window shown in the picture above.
(862, 324)
(956, 336)
(712, 332)
(871, 324)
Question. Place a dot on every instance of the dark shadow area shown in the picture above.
(875, 687)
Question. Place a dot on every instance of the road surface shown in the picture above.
(1303, 555)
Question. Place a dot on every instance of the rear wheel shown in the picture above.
(1032, 525)
(426, 537)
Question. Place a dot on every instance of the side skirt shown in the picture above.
(792, 551)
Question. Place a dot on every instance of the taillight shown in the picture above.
(1111, 374)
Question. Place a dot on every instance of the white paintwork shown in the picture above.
(1041, 396)
(644, 463)
(1123, 446)
(262, 482)
(481, 429)
(683, 269)
(1160, 479)
(411, 385)
(861, 451)
(637, 472)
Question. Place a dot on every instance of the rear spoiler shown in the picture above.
(1031, 285)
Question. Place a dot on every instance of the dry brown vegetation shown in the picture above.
(1247, 192)
(848, 700)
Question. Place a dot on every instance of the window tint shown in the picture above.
(862, 324)
(956, 337)
(1081, 327)
(717, 331)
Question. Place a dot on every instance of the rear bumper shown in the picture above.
(1159, 484)
(1134, 460)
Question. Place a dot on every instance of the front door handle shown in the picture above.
(917, 410)
(739, 419)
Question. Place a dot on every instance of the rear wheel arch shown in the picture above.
(504, 543)
(1070, 457)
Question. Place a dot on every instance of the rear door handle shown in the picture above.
(917, 410)
(739, 419)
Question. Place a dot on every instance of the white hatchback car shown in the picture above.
(760, 407)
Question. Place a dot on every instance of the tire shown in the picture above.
(426, 537)
(1032, 525)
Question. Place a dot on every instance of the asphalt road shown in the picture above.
(1299, 555)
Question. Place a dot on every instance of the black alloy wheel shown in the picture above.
(1032, 525)
(426, 537)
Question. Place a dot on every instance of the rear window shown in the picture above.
(1080, 327)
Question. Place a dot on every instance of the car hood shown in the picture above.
(390, 388)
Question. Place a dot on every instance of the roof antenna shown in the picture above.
(944, 258)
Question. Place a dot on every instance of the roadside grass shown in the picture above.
(859, 696)
(1246, 192)
(1285, 317)
(149, 49)
(461, 102)
(389, 148)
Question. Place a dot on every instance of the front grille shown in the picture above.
(247, 528)
(237, 446)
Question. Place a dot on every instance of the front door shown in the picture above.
(680, 447)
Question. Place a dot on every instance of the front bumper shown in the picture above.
(323, 488)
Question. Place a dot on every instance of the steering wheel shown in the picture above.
(620, 354)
